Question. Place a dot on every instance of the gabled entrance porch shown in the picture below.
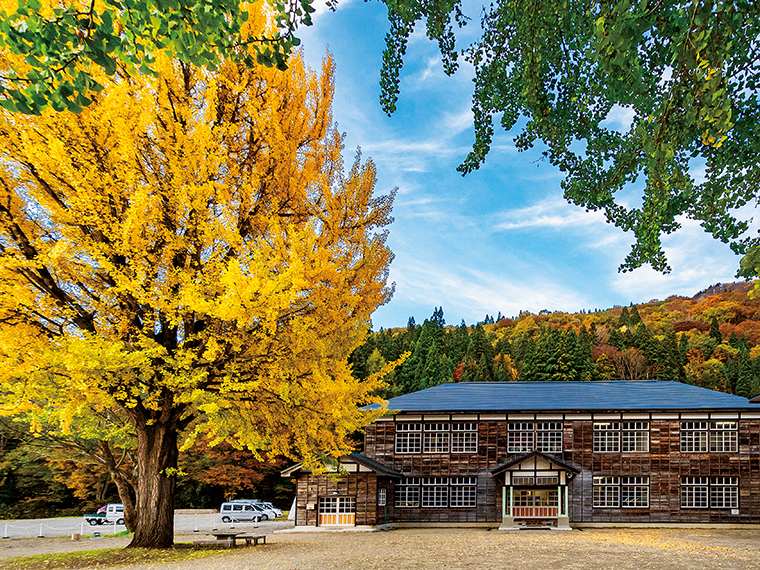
(535, 493)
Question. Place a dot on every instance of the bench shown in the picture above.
(255, 539)
(213, 544)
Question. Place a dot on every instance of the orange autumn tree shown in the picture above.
(189, 253)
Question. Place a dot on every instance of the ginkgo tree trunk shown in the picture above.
(190, 252)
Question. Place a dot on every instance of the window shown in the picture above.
(635, 492)
(435, 492)
(723, 437)
(523, 481)
(606, 492)
(408, 438)
(635, 436)
(520, 437)
(724, 492)
(464, 438)
(436, 438)
(408, 492)
(694, 437)
(694, 492)
(381, 497)
(549, 437)
(463, 491)
(606, 437)
(553, 481)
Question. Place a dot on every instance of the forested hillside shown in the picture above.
(710, 340)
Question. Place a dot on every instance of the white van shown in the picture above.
(241, 512)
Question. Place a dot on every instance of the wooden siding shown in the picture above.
(664, 464)
(361, 486)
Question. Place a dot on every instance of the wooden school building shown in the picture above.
(517, 454)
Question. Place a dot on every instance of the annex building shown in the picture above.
(516, 454)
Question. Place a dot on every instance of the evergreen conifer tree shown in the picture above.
(715, 330)
(635, 318)
(625, 318)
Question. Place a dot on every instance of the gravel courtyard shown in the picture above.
(481, 549)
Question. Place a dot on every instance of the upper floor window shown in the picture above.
(408, 438)
(701, 437)
(549, 437)
(520, 437)
(606, 437)
(635, 436)
(724, 436)
(464, 438)
(529, 436)
(610, 438)
(436, 438)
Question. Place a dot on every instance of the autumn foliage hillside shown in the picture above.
(710, 340)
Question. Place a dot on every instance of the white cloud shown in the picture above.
(551, 213)
(697, 261)
(475, 293)
(619, 118)
(321, 7)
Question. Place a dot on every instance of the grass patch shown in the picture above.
(108, 558)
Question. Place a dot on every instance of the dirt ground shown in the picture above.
(481, 549)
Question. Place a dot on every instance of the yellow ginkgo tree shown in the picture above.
(189, 253)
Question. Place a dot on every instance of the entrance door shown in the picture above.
(335, 511)
(536, 503)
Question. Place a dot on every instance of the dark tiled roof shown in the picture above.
(566, 396)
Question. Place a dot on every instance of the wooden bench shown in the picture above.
(255, 539)
(213, 544)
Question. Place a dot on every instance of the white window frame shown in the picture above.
(521, 437)
(464, 437)
(408, 438)
(435, 438)
(724, 437)
(549, 437)
(607, 437)
(463, 492)
(435, 492)
(724, 492)
(606, 492)
(382, 497)
(695, 437)
(635, 437)
(408, 493)
(634, 492)
(695, 492)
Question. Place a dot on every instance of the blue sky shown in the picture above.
(501, 239)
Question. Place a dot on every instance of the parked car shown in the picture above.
(239, 511)
(271, 507)
(108, 514)
(270, 512)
